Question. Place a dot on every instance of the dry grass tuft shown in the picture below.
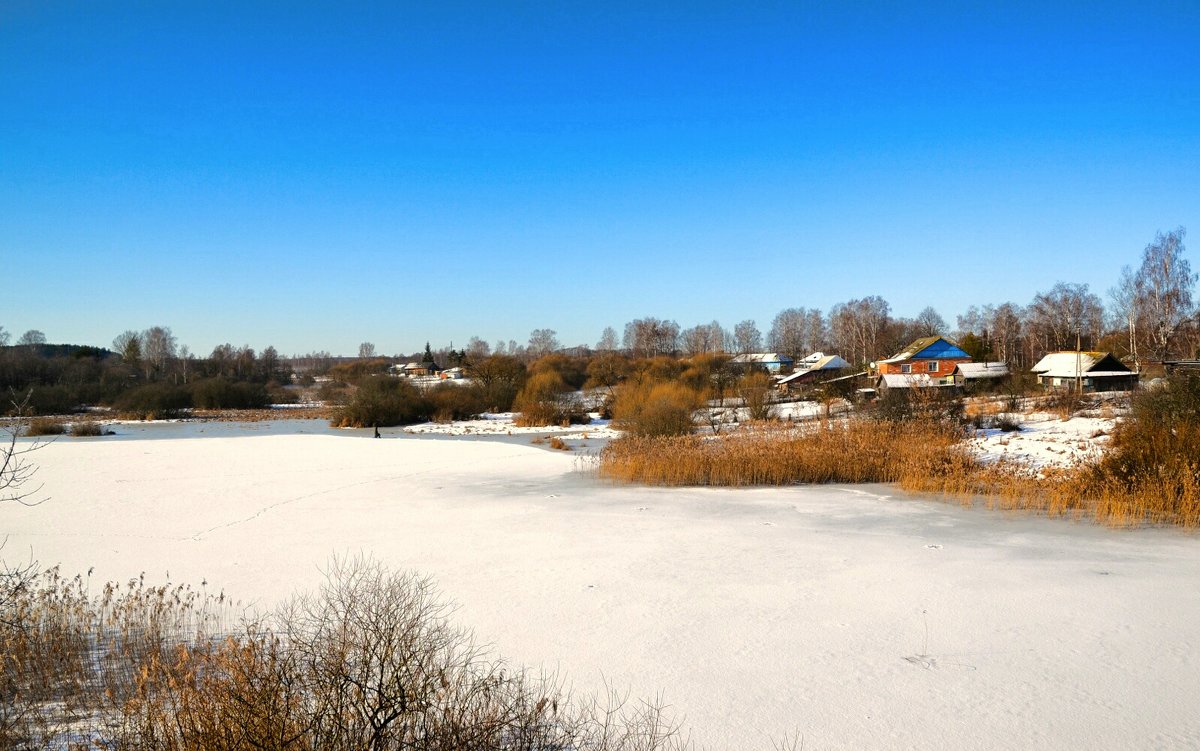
(86, 428)
(43, 426)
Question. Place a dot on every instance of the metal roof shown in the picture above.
(1063, 364)
(972, 370)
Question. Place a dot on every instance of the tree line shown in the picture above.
(1151, 316)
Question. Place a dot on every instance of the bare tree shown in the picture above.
(1066, 316)
(31, 338)
(1125, 310)
(542, 342)
(185, 362)
(1163, 288)
(699, 340)
(158, 348)
(223, 359)
(1004, 325)
(128, 344)
(747, 337)
(16, 471)
(649, 337)
(608, 340)
(856, 327)
(930, 322)
(477, 349)
(797, 331)
(787, 332)
(270, 366)
(366, 350)
(720, 338)
(4, 336)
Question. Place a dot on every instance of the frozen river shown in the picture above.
(857, 617)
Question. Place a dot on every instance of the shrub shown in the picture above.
(573, 370)
(370, 660)
(384, 401)
(1154, 458)
(937, 404)
(334, 393)
(501, 378)
(153, 401)
(456, 402)
(86, 428)
(755, 391)
(221, 393)
(51, 400)
(655, 409)
(546, 400)
(357, 370)
(45, 426)
(277, 393)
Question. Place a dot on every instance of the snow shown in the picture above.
(1045, 441)
(501, 423)
(857, 616)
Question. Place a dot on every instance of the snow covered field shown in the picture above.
(858, 617)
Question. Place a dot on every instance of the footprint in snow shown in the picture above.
(552, 495)
(768, 524)
(643, 508)
(934, 547)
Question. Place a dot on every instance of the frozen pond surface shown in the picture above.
(857, 617)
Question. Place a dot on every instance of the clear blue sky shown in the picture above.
(315, 175)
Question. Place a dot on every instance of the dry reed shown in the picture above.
(1141, 481)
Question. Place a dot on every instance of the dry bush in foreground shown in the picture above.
(368, 661)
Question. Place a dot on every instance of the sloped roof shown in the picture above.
(908, 380)
(829, 363)
(1092, 364)
(761, 357)
(948, 350)
(973, 370)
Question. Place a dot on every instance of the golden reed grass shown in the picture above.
(919, 456)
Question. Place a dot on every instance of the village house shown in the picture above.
(816, 368)
(416, 369)
(772, 362)
(929, 361)
(1093, 371)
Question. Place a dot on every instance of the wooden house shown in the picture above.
(816, 368)
(1094, 371)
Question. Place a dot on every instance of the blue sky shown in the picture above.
(315, 175)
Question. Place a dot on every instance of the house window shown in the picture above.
(932, 366)
(905, 368)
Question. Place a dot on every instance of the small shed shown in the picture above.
(970, 373)
(889, 381)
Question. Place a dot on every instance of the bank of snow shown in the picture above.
(1045, 440)
(862, 619)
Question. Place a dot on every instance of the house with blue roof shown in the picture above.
(929, 361)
